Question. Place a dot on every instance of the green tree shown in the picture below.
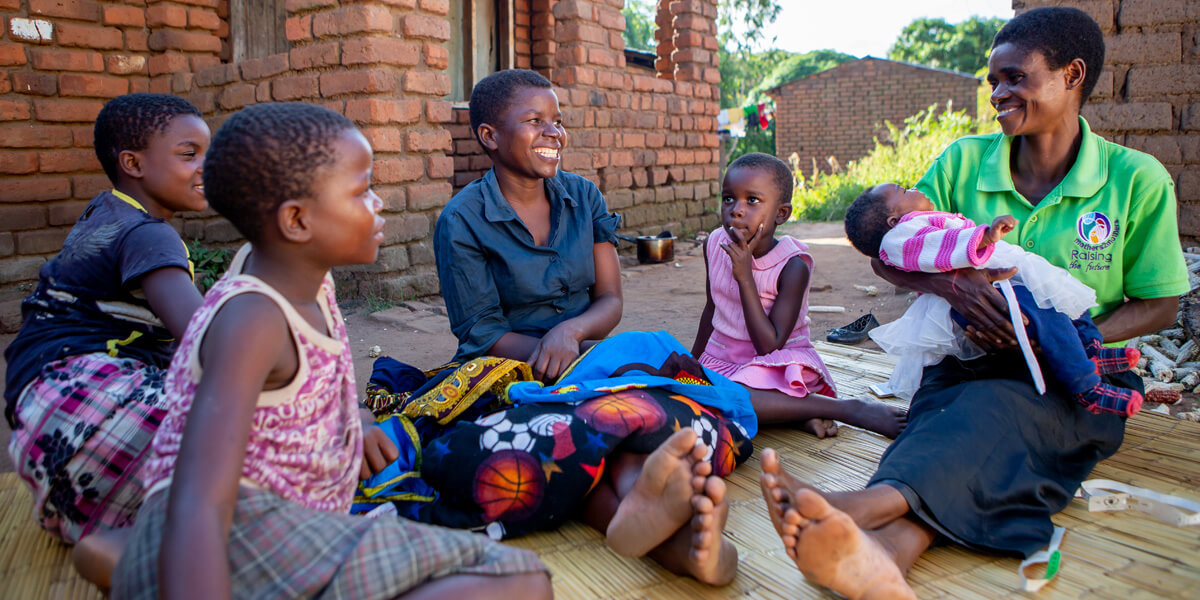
(936, 43)
(639, 25)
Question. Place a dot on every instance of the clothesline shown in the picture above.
(734, 120)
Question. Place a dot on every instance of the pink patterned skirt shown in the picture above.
(84, 427)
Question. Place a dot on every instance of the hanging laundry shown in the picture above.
(762, 116)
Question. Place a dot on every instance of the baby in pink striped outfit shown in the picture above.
(903, 228)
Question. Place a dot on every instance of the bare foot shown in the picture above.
(831, 551)
(822, 428)
(660, 501)
(871, 508)
(873, 415)
(712, 559)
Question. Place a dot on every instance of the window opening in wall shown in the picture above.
(256, 28)
(481, 43)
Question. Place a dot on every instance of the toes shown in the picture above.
(811, 505)
(770, 461)
(681, 443)
(702, 468)
(714, 489)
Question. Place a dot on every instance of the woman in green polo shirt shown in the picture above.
(985, 460)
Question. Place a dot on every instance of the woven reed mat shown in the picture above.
(1122, 555)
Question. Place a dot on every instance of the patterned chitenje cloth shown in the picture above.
(280, 549)
(85, 424)
(517, 469)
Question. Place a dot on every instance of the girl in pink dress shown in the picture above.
(754, 328)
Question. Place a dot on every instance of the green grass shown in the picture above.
(903, 157)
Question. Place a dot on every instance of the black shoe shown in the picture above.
(854, 332)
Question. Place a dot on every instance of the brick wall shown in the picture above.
(839, 112)
(1148, 96)
(647, 139)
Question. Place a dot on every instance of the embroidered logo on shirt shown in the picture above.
(1094, 229)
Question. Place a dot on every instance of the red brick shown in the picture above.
(17, 218)
(440, 167)
(314, 55)
(85, 36)
(136, 41)
(397, 170)
(378, 111)
(92, 86)
(355, 18)
(159, 64)
(18, 163)
(10, 4)
(437, 57)
(441, 7)
(81, 136)
(384, 139)
(430, 140)
(262, 91)
(37, 84)
(87, 186)
(41, 242)
(35, 190)
(294, 87)
(413, 25)
(356, 82)
(14, 110)
(5, 83)
(66, 161)
(434, 84)
(374, 50)
(236, 96)
(166, 15)
(82, 10)
(298, 28)
(12, 54)
(439, 111)
(34, 136)
(202, 18)
(164, 39)
(294, 6)
(257, 68)
(125, 64)
(430, 195)
(65, 213)
(130, 16)
(67, 111)
(49, 59)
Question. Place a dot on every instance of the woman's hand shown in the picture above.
(555, 352)
(741, 256)
(378, 449)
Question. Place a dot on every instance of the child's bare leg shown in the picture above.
(523, 585)
(871, 508)
(831, 551)
(699, 548)
(659, 501)
(95, 556)
(774, 407)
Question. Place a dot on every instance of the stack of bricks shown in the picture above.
(646, 137)
(1148, 95)
(840, 112)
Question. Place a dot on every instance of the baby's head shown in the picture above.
(516, 118)
(874, 212)
(157, 141)
(757, 190)
(296, 173)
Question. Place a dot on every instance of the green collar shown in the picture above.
(1086, 177)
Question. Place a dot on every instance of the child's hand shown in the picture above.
(378, 449)
(1000, 228)
(741, 256)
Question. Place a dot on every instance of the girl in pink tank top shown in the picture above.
(754, 329)
(253, 470)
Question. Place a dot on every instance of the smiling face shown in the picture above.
(750, 199)
(172, 164)
(344, 210)
(529, 137)
(900, 201)
(1029, 96)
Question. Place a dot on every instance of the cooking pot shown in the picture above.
(653, 248)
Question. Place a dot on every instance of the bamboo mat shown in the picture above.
(1122, 555)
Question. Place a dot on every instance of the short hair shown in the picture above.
(779, 171)
(266, 154)
(1061, 34)
(493, 94)
(867, 221)
(127, 122)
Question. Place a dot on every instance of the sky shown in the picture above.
(865, 27)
